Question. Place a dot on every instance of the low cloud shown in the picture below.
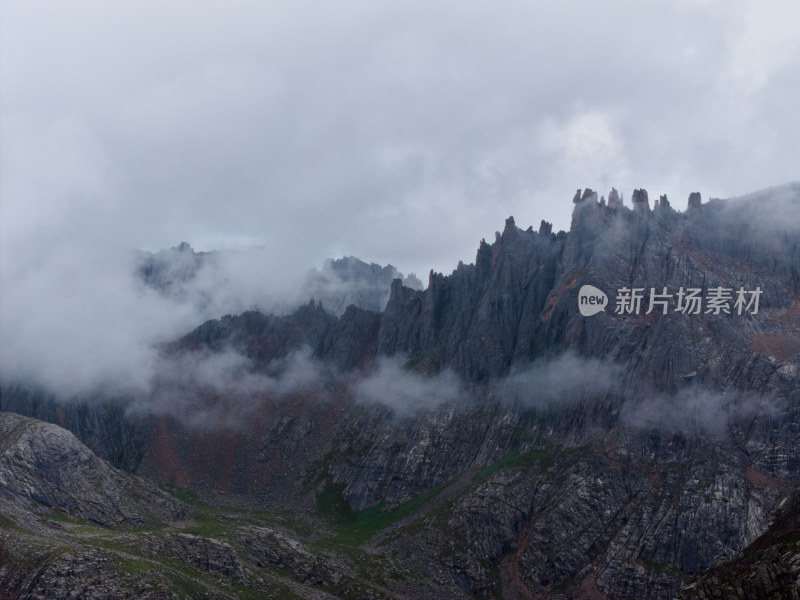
(767, 222)
(696, 410)
(206, 389)
(82, 316)
(76, 322)
(224, 282)
(564, 380)
(569, 379)
(233, 281)
(392, 385)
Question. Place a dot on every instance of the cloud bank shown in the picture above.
(342, 129)
(406, 392)
(561, 381)
(697, 410)
(212, 390)
(79, 320)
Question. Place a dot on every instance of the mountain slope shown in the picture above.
(768, 568)
(491, 439)
(44, 468)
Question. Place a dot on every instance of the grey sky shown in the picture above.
(399, 132)
(396, 131)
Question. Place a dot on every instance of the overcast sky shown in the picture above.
(399, 132)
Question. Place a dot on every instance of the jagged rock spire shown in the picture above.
(639, 200)
(588, 194)
(694, 200)
(613, 199)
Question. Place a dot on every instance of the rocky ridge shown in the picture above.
(193, 277)
(623, 489)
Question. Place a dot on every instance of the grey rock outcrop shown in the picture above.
(44, 468)
(104, 425)
(614, 200)
(767, 568)
(639, 200)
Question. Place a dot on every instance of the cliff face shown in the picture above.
(768, 568)
(483, 318)
(519, 300)
(515, 446)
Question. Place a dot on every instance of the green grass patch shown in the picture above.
(332, 505)
(62, 517)
(186, 495)
(78, 525)
(133, 565)
(6, 523)
(355, 528)
(106, 543)
(513, 459)
(90, 528)
(187, 585)
(210, 528)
